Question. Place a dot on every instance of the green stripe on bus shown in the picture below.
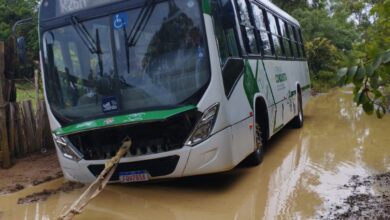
(269, 83)
(206, 7)
(292, 93)
(306, 87)
(122, 120)
(250, 83)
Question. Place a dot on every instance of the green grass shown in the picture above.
(25, 91)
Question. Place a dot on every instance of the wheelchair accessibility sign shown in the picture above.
(120, 20)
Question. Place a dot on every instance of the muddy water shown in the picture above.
(301, 176)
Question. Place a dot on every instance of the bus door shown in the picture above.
(277, 78)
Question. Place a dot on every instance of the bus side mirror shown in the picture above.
(21, 49)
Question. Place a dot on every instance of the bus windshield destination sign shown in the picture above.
(69, 6)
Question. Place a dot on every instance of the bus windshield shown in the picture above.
(150, 57)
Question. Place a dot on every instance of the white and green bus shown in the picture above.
(198, 85)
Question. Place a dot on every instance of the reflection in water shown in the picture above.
(283, 182)
(300, 178)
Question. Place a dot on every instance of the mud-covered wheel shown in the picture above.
(256, 158)
(298, 121)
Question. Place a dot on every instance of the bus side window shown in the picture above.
(261, 28)
(286, 39)
(293, 41)
(302, 44)
(298, 45)
(223, 15)
(247, 29)
(275, 35)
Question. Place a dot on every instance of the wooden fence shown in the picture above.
(28, 130)
(23, 130)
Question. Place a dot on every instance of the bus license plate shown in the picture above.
(135, 176)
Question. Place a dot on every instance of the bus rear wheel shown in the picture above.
(298, 121)
(256, 158)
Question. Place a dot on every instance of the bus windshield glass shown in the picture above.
(150, 57)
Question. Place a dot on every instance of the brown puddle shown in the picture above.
(314, 172)
(66, 187)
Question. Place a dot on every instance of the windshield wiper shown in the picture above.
(87, 39)
(142, 20)
(140, 23)
(93, 46)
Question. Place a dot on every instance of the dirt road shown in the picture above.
(335, 167)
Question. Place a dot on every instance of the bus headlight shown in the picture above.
(204, 127)
(66, 149)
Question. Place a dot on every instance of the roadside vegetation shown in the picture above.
(25, 90)
(344, 33)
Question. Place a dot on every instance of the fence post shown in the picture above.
(3, 113)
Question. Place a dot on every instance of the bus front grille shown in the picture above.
(148, 138)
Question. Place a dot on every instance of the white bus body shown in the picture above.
(269, 90)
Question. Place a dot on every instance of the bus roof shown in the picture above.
(268, 4)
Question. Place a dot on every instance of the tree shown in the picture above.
(322, 55)
(319, 23)
(291, 5)
(13, 11)
(371, 74)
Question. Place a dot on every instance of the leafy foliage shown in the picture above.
(347, 33)
(322, 55)
(329, 37)
(318, 23)
(368, 81)
(13, 11)
(372, 77)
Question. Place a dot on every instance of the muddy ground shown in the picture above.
(369, 199)
(33, 170)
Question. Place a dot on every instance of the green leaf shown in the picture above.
(379, 113)
(357, 97)
(377, 62)
(352, 72)
(361, 73)
(362, 98)
(358, 83)
(386, 57)
(368, 107)
(374, 82)
(341, 72)
(356, 90)
(377, 93)
(370, 70)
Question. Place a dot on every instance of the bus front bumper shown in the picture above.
(211, 156)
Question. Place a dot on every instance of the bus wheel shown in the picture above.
(257, 156)
(297, 122)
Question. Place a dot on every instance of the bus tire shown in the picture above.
(256, 158)
(298, 121)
